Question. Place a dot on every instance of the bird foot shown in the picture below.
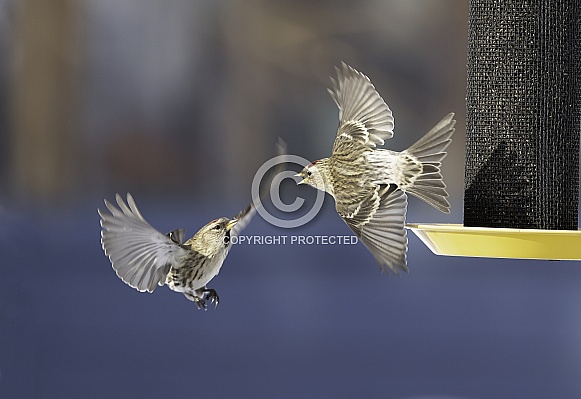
(197, 299)
(212, 296)
(204, 295)
(200, 303)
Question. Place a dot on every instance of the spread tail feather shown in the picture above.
(430, 150)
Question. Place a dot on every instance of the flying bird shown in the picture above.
(144, 258)
(369, 184)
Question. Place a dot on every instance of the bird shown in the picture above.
(145, 258)
(370, 184)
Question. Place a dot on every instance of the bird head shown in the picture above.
(311, 175)
(214, 236)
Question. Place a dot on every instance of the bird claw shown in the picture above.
(202, 296)
(200, 303)
(212, 296)
(207, 294)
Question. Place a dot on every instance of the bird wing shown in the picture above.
(379, 222)
(141, 256)
(177, 236)
(363, 115)
(244, 218)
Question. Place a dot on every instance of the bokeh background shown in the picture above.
(179, 102)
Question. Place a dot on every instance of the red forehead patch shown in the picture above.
(213, 221)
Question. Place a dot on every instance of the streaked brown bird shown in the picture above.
(144, 258)
(368, 183)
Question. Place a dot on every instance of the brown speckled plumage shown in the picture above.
(369, 183)
(144, 258)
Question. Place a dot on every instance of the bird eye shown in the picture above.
(217, 227)
(309, 173)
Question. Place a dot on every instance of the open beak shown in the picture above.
(231, 224)
(302, 181)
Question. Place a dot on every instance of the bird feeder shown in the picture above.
(523, 123)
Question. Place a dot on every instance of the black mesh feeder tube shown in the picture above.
(523, 125)
(523, 114)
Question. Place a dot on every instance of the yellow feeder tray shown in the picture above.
(457, 240)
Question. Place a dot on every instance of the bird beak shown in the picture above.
(231, 224)
(302, 181)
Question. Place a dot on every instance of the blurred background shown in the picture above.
(179, 102)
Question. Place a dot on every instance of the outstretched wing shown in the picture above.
(364, 118)
(141, 256)
(379, 222)
(244, 218)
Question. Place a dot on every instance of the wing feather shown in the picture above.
(141, 256)
(244, 217)
(380, 224)
(363, 115)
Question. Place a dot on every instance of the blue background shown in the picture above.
(179, 102)
(293, 321)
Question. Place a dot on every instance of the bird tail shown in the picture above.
(430, 150)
